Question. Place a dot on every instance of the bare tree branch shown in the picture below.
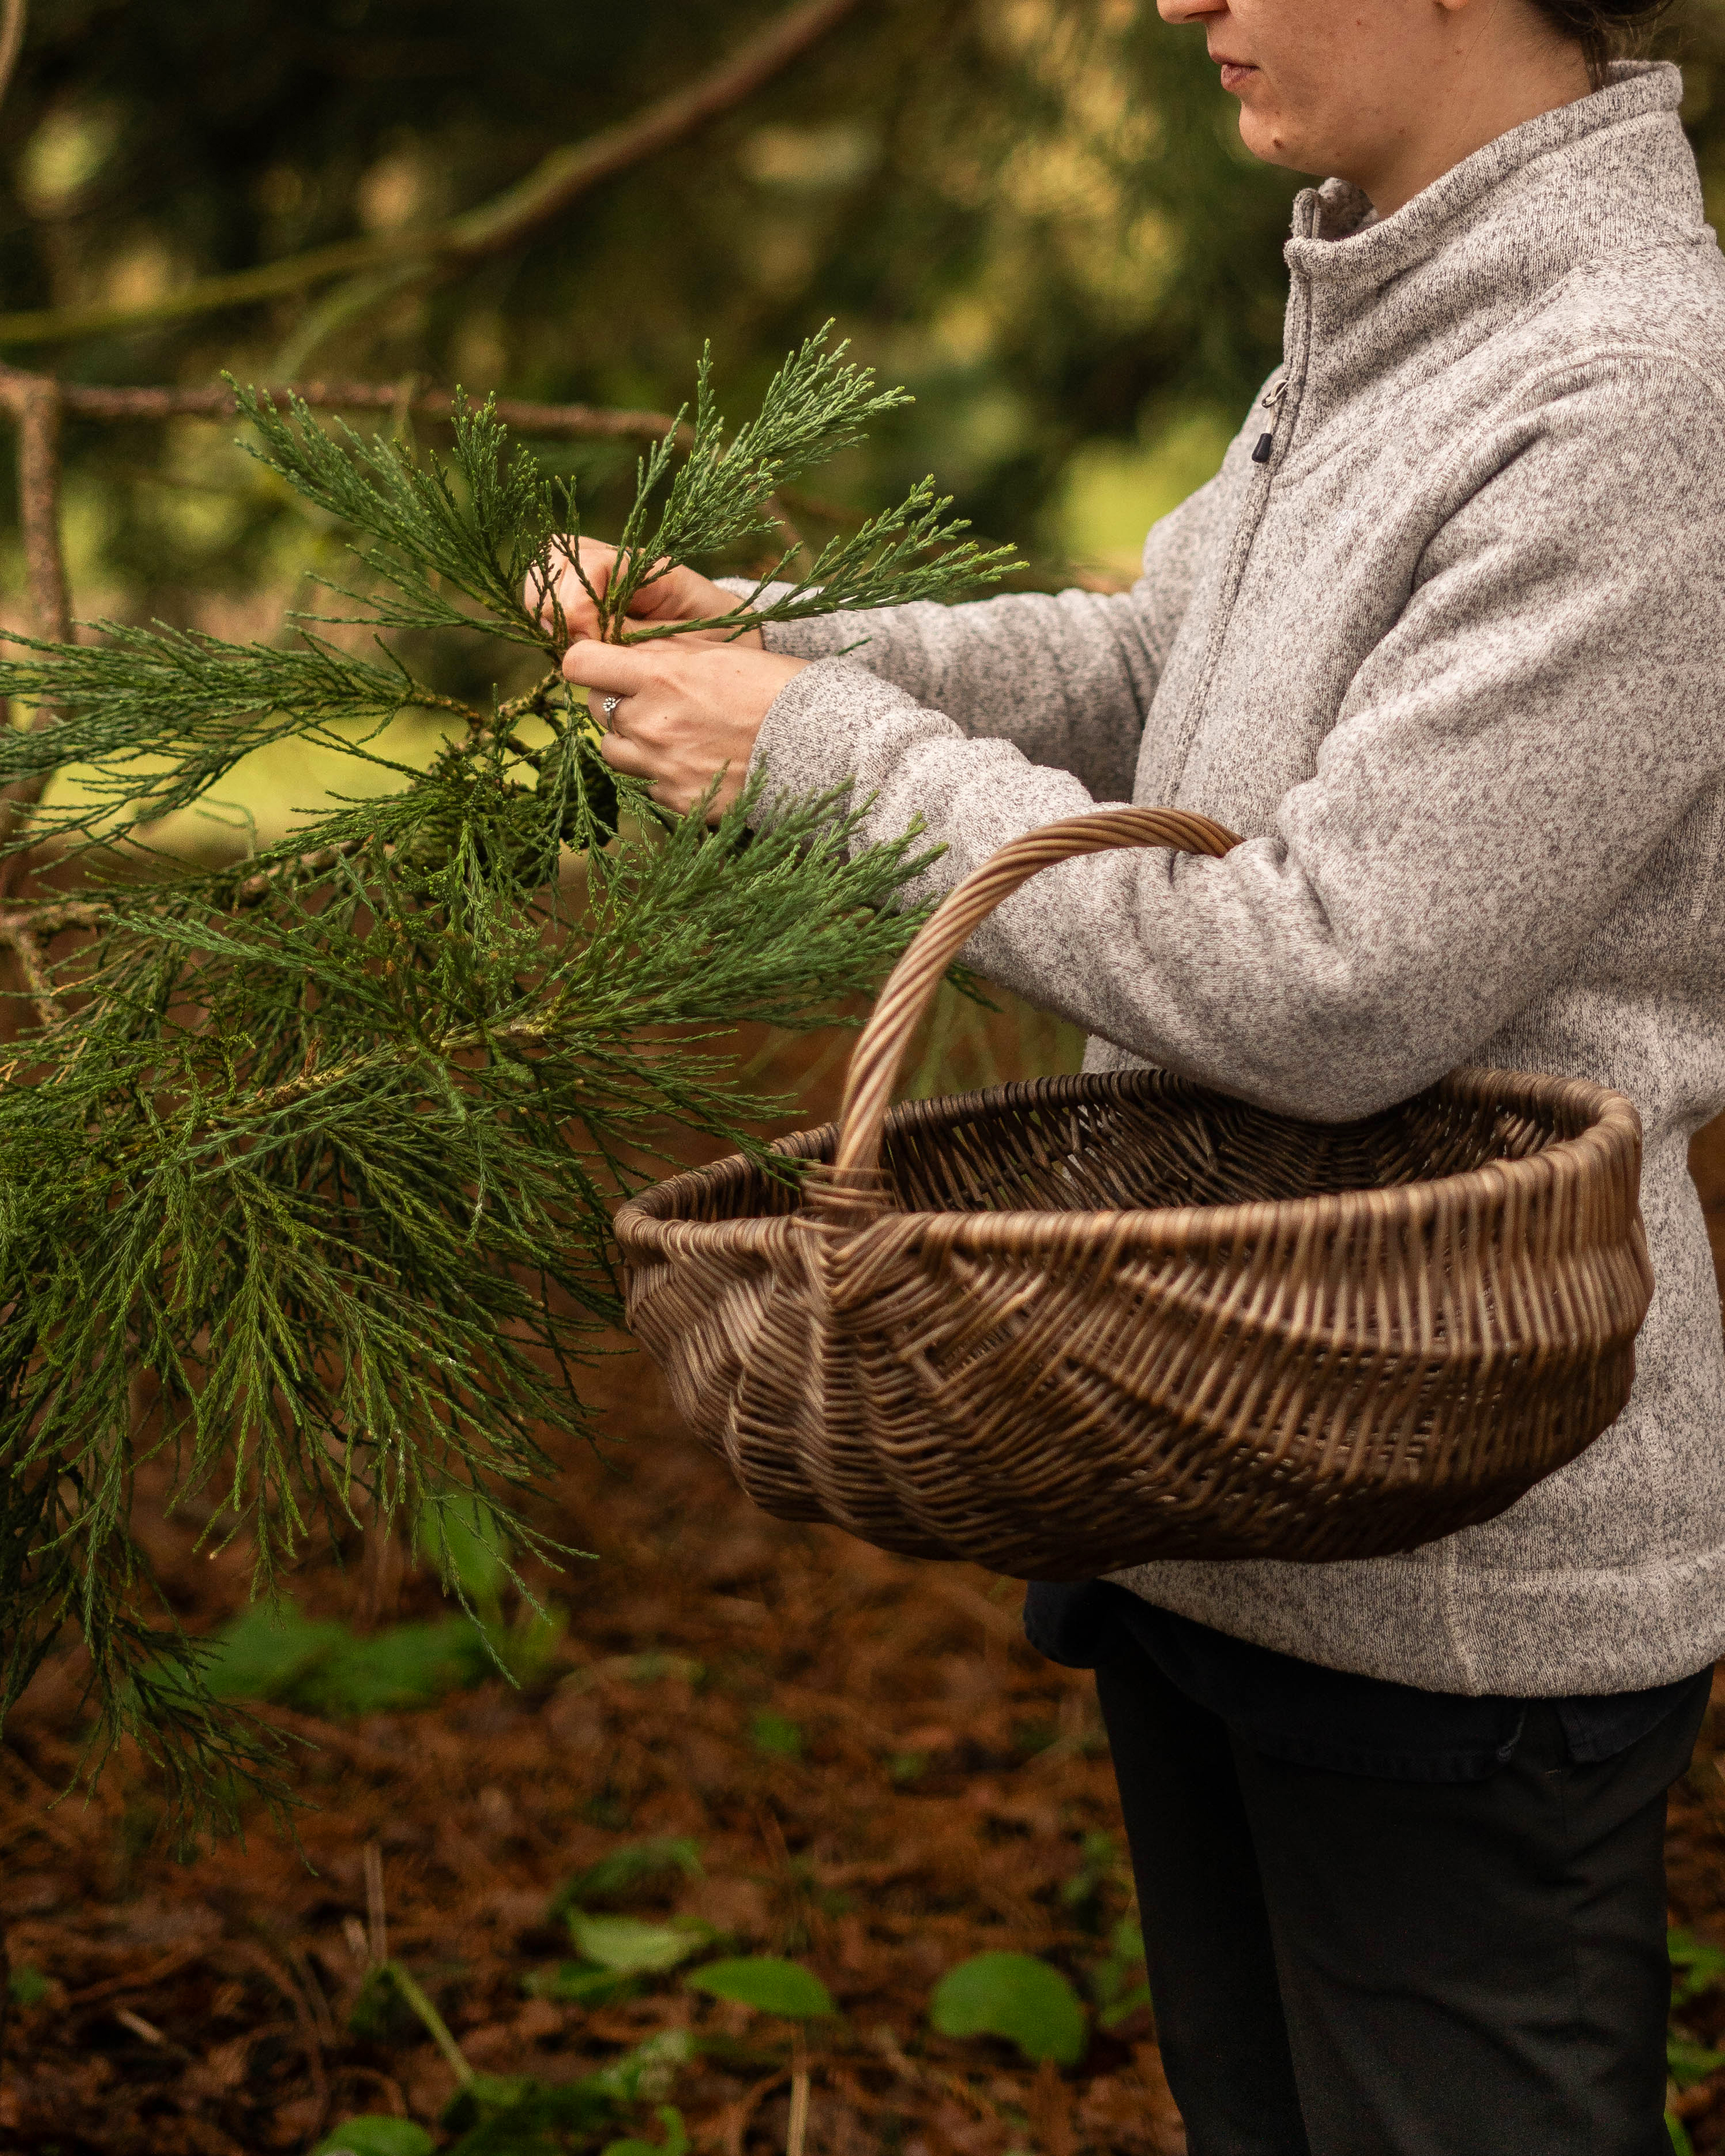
(33, 401)
(491, 227)
(11, 44)
(88, 401)
(268, 281)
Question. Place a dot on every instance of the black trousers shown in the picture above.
(1345, 1966)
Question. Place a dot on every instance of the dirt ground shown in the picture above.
(879, 1779)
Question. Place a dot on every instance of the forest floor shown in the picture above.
(857, 1761)
(878, 1777)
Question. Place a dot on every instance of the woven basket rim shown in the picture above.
(1613, 1124)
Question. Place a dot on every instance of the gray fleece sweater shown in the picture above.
(1451, 657)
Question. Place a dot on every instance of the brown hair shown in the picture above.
(1606, 30)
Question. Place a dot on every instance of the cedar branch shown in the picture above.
(33, 964)
(441, 1047)
(49, 919)
(36, 402)
(490, 228)
(387, 1274)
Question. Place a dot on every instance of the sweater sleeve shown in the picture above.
(1550, 702)
(1067, 678)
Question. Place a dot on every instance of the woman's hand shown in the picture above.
(680, 595)
(687, 710)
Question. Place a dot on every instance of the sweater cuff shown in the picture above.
(808, 742)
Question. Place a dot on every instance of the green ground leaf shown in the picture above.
(632, 1948)
(464, 1539)
(379, 2015)
(374, 2135)
(508, 2114)
(1117, 1985)
(777, 1736)
(580, 1984)
(645, 2074)
(1135, 2001)
(1688, 2062)
(625, 1871)
(407, 1665)
(265, 1653)
(1695, 1966)
(674, 2144)
(1013, 1995)
(280, 1655)
(27, 1987)
(767, 1984)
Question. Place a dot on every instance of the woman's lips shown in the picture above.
(1236, 74)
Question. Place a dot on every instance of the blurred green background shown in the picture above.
(1036, 213)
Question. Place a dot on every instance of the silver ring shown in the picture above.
(609, 707)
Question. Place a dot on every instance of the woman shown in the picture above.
(1446, 639)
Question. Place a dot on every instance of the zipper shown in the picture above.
(1270, 402)
(1256, 493)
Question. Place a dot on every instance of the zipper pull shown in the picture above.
(1269, 401)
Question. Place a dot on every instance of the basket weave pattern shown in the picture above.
(1063, 1327)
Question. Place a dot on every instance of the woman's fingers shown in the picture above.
(677, 791)
(582, 578)
(624, 755)
(566, 594)
(668, 595)
(618, 669)
(690, 712)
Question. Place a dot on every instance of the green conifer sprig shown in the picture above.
(307, 1161)
(479, 527)
(157, 716)
(817, 405)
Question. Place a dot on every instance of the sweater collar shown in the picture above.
(1621, 148)
(1376, 307)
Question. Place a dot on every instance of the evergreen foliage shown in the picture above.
(307, 1161)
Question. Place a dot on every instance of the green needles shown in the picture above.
(307, 1161)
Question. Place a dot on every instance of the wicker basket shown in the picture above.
(1062, 1327)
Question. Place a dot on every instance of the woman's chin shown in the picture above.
(1265, 135)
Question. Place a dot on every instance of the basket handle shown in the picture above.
(880, 1053)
